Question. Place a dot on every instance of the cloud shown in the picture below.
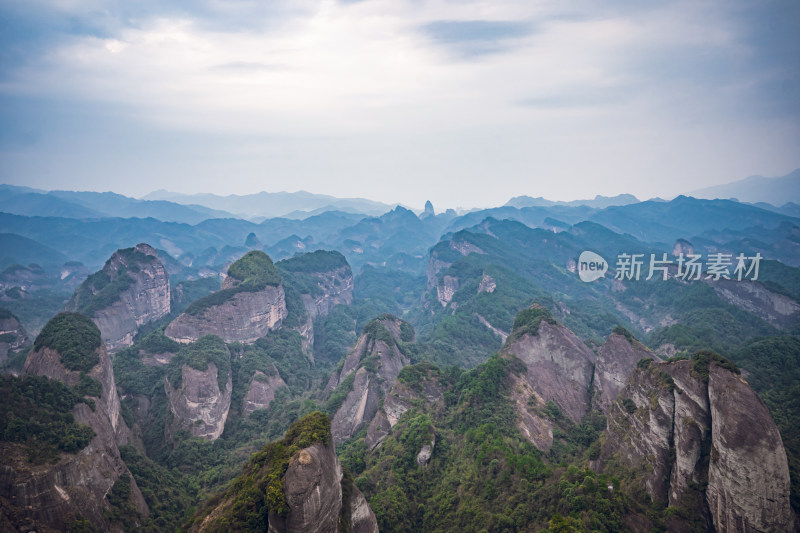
(434, 89)
(476, 37)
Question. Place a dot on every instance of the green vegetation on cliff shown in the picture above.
(74, 337)
(35, 412)
(198, 355)
(318, 261)
(254, 271)
(258, 491)
(103, 288)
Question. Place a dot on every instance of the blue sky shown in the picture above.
(465, 103)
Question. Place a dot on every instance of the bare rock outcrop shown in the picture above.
(12, 335)
(374, 362)
(423, 387)
(131, 290)
(313, 495)
(199, 404)
(446, 289)
(262, 391)
(249, 305)
(244, 317)
(701, 438)
(559, 365)
(778, 309)
(616, 361)
(324, 280)
(77, 485)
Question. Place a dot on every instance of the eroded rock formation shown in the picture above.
(701, 438)
(53, 495)
(131, 290)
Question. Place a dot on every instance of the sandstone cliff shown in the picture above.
(702, 440)
(13, 336)
(559, 365)
(293, 485)
(416, 385)
(131, 290)
(251, 303)
(199, 389)
(262, 391)
(323, 279)
(78, 484)
(368, 372)
(561, 369)
(616, 360)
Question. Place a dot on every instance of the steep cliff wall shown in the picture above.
(374, 362)
(293, 485)
(244, 317)
(70, 350)
(701, 439)
(616, 360)
(559, 365)
(251, 303)
(131, 290)
(198, 403)
(262, 391)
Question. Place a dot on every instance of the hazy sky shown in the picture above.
(465, 103)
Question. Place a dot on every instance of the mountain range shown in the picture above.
(348, 371)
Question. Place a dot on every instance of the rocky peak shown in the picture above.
(428, 212)
(13, 336)
(262, 390)
(559, 365)
(702, 440)
(312, 494)
(251, 303)
(252, 242)
(69, 349)
(132, 289)
(616, 361)
(368, 372)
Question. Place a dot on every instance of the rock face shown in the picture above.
(559, 367)
(682, 246)
(777, 309)
(446, 289)
(131, 290)
(12, 335)
(331, 288)
(199, 405)
(319, 498)
(375, 362)
(616, 361)
(244, 317)
(262, 391)
(249, 305)
(336, 287)
(400, 399)
(79, 483)
(708, 444)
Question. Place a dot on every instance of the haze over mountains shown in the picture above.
(431, 371)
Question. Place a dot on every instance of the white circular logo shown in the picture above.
(591, 266)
